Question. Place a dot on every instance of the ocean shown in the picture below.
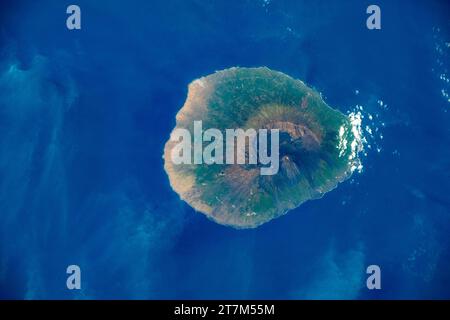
(85, 114)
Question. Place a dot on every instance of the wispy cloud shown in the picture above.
(338, 275)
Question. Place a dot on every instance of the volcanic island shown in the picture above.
(318, 146)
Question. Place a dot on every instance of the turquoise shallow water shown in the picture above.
(84, 116)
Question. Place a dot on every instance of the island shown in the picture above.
(317, 146)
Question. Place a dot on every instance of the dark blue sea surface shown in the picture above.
(85, 114)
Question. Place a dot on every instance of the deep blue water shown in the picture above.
(84, 116)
